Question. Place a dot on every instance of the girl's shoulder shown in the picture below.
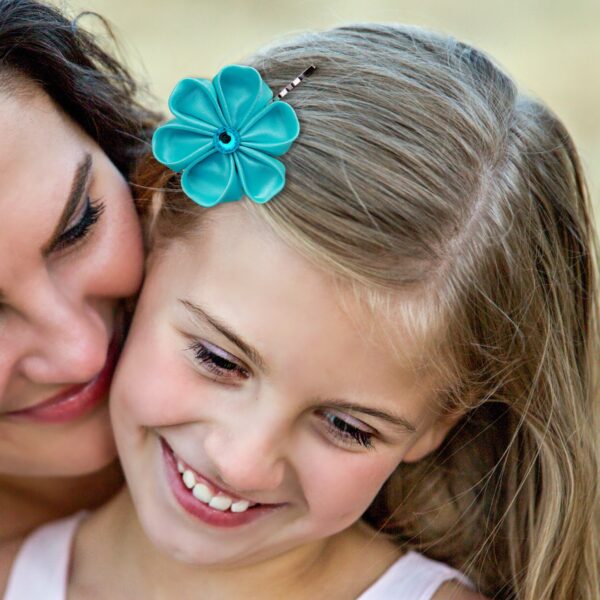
(452, 590)
(415, 575)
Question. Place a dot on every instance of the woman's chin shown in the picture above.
(67, 450)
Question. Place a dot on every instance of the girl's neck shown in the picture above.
(113, 537)
(26, 503)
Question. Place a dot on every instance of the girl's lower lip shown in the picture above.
(78, 400)
(202, 511)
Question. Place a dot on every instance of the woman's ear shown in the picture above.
(431, 439)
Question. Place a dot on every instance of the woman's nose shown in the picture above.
(247, 461)
(66, 345)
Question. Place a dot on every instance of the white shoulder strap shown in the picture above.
(413, 577)
(41, 568)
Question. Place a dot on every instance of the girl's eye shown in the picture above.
(346, 432)
(81, 228)
(217, 361)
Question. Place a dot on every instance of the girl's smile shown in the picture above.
(207, 501)
(253, 414)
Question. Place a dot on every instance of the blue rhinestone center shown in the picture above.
(226, 140)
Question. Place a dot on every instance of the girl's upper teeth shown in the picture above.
(202, 492)
(220, 502)
(240, 506)
(189, 479)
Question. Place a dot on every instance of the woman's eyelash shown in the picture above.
(92, 212)
(216, 364)
(348, 433)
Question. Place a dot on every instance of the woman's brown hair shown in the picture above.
(40, 46)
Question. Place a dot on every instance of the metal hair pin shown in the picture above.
(296, 82)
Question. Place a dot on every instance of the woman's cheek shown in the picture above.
(117, 259)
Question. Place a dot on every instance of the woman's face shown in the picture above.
(245, 384)
(70, 252)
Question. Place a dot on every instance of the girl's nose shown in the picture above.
(247, 461)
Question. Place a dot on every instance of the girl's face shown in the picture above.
(243, 371)
(70, 251)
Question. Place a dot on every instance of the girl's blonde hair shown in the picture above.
(420, 168)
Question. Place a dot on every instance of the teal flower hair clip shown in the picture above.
(225, 135)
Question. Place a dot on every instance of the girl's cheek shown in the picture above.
(344, 485)
(156, 384)
(146, 391)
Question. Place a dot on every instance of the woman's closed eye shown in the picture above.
(78, 230)
(220, 364)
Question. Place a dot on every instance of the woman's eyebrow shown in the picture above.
(203, 316)
(78, 186)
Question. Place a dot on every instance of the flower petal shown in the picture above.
(273, 130)
(177, 145)
(241, 93)
(262, 176)
(194, 102)
(212, 180)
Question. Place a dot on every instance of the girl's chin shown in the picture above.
(198, 554)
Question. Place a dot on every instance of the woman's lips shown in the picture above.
(77, 401)
(202, 511)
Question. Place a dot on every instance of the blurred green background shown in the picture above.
(547, 45)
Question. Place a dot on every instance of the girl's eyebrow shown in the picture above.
(200, 314)
(395, 420)
(77, 189)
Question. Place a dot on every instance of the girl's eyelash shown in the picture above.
(223, 367)
(92, 212)
(216, 364)
(348, 433)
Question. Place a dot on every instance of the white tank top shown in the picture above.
(41, 569)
